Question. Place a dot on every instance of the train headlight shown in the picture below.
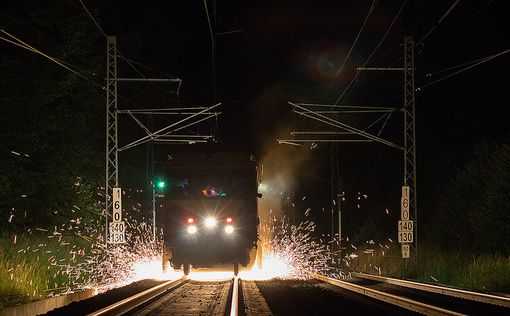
(229, 229)
(210, 222)
(191, 229)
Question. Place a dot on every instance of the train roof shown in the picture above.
(223, 160)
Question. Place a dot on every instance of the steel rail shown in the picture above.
(464, 294)
(234, 306)
(138, 299)
(388, 298)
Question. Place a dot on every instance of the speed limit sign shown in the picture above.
(404, 204)
(117, 205)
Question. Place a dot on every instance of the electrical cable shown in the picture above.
(353, 80)
(481, 61)
(471, 65)
(424, 37)
(150, 68)
(370, 10)
(128, 61)
(212, 49)
(93, 20)
(18, 42)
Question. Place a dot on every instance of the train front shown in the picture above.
(209, 214)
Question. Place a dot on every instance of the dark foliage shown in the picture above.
(474, 211)
(50, 116)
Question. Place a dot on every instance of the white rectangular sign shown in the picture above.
(405, 226)
(404, 203)
(404, 209)
(117, 232)
(405, 192)
(117, 205)
(405, 237)
(406, 251)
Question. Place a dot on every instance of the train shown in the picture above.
(207, 210)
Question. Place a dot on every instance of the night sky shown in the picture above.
(268, 53)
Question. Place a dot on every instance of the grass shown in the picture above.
(487, 273)
(34, 266)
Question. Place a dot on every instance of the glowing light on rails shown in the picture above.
(274, 267)
(211, 275)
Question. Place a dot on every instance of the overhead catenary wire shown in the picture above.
(424, 37)
(92, 18)
(470, 64)
(479, 62)
(128, 61)
(370, 10)
(22, 44)
(353, 80)
(212, 49)
(472, 15)
(150, 68)
(18, 42)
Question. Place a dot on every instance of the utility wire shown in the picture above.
(92, 18)
(128, 61)
(438, 22)
(370, 10)
(18, 42)
(481, 61)
(471, 65)
(150, 68)
(212, 47)
(106, 36)
(353, 80)
(472, 15)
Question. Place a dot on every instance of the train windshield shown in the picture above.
(208, 187)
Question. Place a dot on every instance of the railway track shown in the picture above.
(423, 298)
(193, 297)
(360, 294)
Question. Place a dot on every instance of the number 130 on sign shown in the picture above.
(405, 237)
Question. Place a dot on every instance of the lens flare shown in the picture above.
(191, 229)
(229, 229)
(210, 222)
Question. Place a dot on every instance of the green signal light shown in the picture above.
(161, 184)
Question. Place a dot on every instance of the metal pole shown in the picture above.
(409, 133)
(332, 201)
(112, 174)
(339, 196)
(339, 227)
(153, 211)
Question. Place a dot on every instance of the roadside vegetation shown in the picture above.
(465, 238)
(486, 273)
(39, 265)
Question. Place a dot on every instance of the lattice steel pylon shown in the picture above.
(176, 130)
(345, 132)
(410, 134)
(112, 167)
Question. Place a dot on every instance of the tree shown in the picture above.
(474, 212)
(50, 116)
